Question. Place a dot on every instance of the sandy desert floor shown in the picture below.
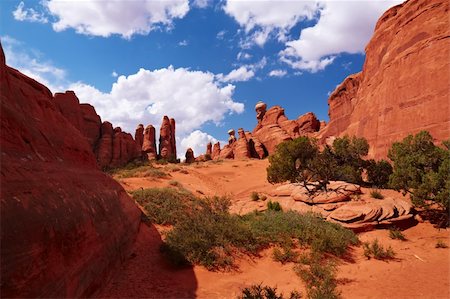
(419, 270)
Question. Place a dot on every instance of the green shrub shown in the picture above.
(395, 233)
(422, 169)
(319, 276)
(208, 235)
(441, 244)
(378, 173)
(376, 194)
(274, 206)
(273, 227)
(377, 251)
(165, 205)
(258, 291)
(284, 254)
(348, 153)
(254, 196)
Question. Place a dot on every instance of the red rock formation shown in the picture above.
(65, 226)
(139, 136)
(257, 149)
(274, 127)
(149, 143)
(190, 156)
(105, 145)
(216, 151)
(167, 147)
(227, 152)
(82, 116)
(241, 148)
(209, 149)
(404, 85)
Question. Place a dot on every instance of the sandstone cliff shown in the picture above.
(65, 226)
(404, 85)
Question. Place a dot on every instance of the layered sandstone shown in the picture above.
(65, 226)
(404, 85)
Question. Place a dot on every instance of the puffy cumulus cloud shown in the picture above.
(278, 73)
(32, 64)
(260, 19)
(201, 3)
(193, 98)
(28, 14)
(243, 73)
(197, 140)
(125, 18)
(343, 26)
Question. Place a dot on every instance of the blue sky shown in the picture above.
(205, 63)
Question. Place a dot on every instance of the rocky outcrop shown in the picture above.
(209, 149)
(274, 127)
(65, 225)
(167, 145)
(189, 156)
(340, 205)
(403, 87)
(82, 116)
(105, 145)
(216, 151)
(139, 136)
(241, 147)
(149, 143)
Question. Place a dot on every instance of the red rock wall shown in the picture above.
(65, 226)
(404, 85)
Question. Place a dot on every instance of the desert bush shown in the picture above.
(395, 233)
(348, 153)
(254, 196)
(377, 251)
(273, 227)
(422, 169)
(258, 291)
(376, 194)
(165, 205)
(441, 244)
(284, 254)
(319, 276)
(208, 235)
(378, 172)
(274, 206)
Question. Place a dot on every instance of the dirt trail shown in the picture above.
(419, 271)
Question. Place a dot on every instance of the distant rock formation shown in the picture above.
(139, 136)
(216, 151)
(149, 143)
(190, 156)
(167, 146)
(241, 148)
(66, 227)
(404, 85)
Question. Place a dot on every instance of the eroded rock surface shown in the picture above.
(404, 85)
(65, 225)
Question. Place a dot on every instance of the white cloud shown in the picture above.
(240, 74)
(28, 14)
(197, 140)
(221, 34)
(262, 18)
(125, 18)
(243, 56)
(201, 3)
(343, 27)
(193, 98)
(278, 73)
(114, 74)
(32, 65)
(183, 43)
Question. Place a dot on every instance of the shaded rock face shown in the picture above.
(82, 116)
(167, 146)
(139, 136)
(109, 151)
(149, 143)
(274, 127)
(216, 151)
(65, 226)
(403, 87)
(209, 149)
(190, 156)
